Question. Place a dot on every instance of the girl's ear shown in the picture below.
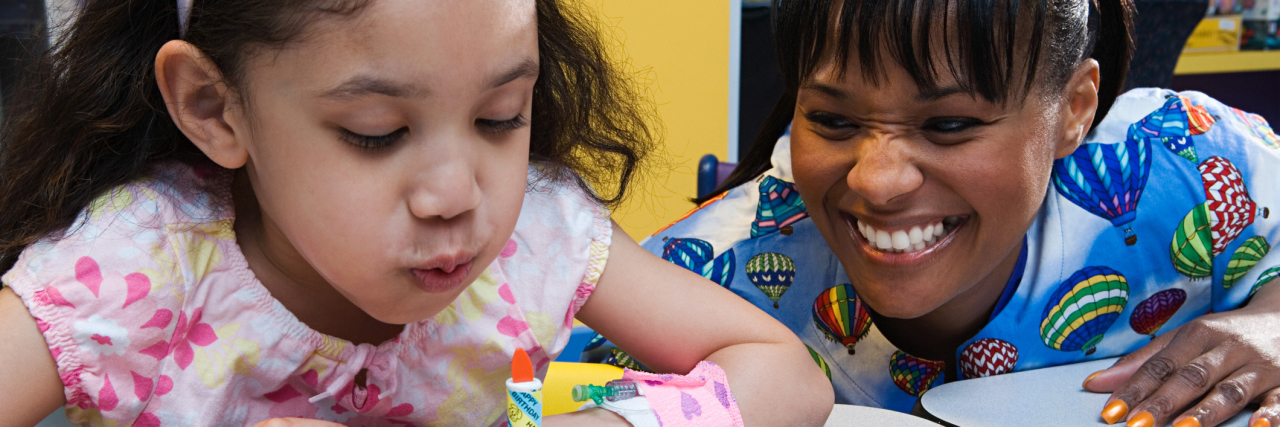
(1080, 104)
(200, 103)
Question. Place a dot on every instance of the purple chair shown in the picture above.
(712, 172)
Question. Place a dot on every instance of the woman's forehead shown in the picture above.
(987, 47)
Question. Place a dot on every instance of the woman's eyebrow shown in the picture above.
(829, 90)
(938, 93)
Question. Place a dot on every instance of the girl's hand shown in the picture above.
(1213, 365)
(670, 319)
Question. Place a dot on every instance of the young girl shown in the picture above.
(963, 194)
(219, 212)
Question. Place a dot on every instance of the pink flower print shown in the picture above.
(101, 336)
(509, 250)
(147, 420)
(365, 401)
(188, 333)
(88, 274)
(139, 285)
(185, 334)
(107, 399)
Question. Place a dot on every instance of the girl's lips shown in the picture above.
(898, 258)
(436, 280)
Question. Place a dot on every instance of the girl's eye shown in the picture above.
(951, 124)
(830, 121)
(374, 141)
(500, 126)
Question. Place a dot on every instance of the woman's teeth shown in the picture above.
(903, 241)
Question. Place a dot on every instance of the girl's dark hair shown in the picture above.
(91, 116)
(982, 38)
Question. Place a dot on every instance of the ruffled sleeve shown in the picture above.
(555, 257)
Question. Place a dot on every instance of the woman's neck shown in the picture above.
(293, 282)
(938, 334)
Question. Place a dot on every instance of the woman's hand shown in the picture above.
(1211, 366)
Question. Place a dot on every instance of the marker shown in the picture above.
(612, 391)
(524, 393)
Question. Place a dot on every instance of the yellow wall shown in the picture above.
(682, 49)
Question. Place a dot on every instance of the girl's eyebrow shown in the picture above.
(364, 84)
(526, 68)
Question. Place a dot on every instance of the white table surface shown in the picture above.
(862, 416)
(1050, 396)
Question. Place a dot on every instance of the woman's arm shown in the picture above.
(30, 388)
(670, 319)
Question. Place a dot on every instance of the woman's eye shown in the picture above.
(500, 126)
(830, 121)
(373, 141)
(950, 124)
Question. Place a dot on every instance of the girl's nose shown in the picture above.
(447, 186)
(884, 169)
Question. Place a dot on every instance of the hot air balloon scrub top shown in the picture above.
(1110, 261)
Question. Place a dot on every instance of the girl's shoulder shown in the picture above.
(109, 292)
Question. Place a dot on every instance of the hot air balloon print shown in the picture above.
(1230, 208)
(1269, 275)
(772, 273)
(913, 375)
(1152, 313)
(1082, 309)
(696, 255)
(1107, 180)
(826, 369)
(780, 206)
(1192, 248)
(1259, 128)
(621, 359)
(841, 316)
(1246, 257)
(987, 357)
(1173, 125)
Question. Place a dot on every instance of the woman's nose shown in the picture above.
(884, 169)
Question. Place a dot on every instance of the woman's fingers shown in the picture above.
(1149, 377)
(1224, 400)
(1181, 385)
(1110, 379)
(1268, 413)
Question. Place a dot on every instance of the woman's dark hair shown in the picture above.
(981, 37)
(91, 116)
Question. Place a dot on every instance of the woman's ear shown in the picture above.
(200, 103)
(1080, 104)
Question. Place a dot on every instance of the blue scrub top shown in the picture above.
(1163, 215)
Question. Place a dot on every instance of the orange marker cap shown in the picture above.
(521, 367)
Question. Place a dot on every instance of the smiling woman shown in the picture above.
(977, 197)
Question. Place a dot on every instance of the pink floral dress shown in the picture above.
(154, 318)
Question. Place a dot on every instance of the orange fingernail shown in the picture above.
(1261, 422)
(1090, 378)
(1187, 422)
(1142, 419)
(1115, 411)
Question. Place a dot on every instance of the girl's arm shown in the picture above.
(30, 388)
(670, 319)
